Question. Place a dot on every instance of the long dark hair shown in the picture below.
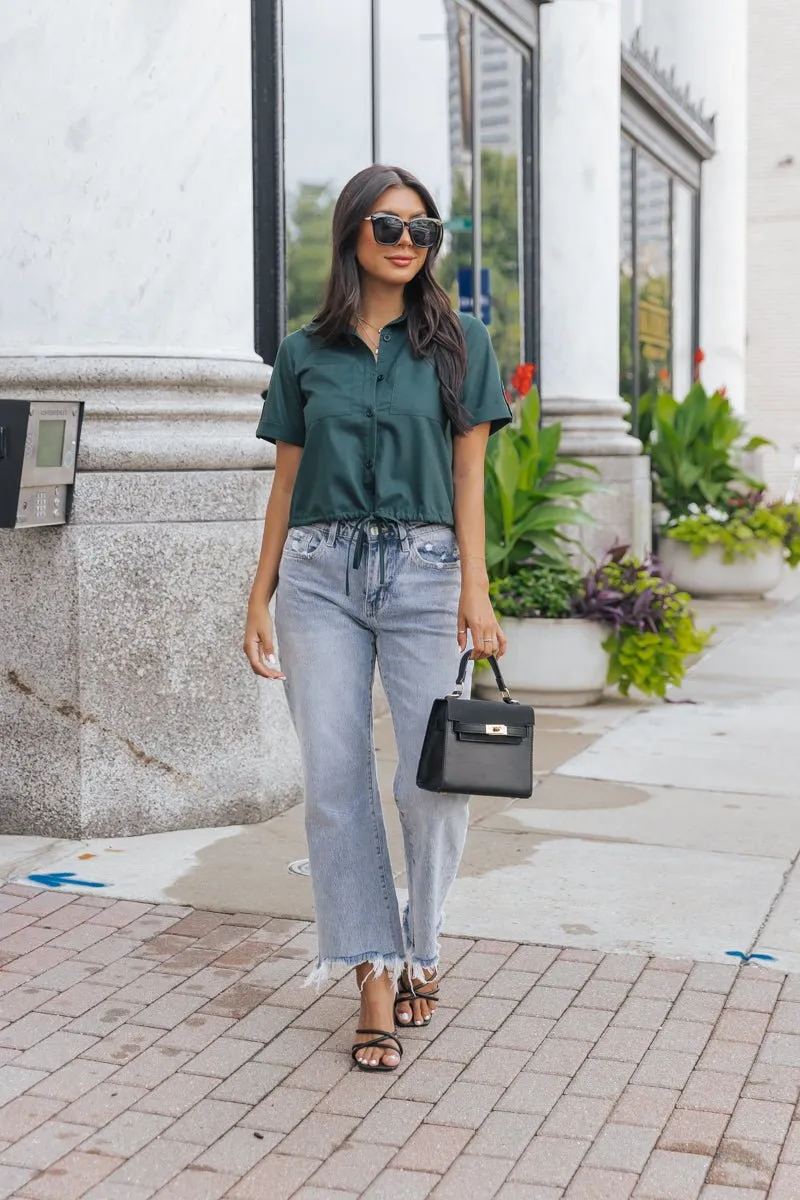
(434, 330)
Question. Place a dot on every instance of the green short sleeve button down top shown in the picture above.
(376, 438)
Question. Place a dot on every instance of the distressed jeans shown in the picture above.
(351, 594)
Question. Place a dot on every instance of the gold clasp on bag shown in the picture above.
(501, 730)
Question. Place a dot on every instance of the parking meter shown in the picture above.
(38, 452)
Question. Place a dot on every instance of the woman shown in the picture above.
(380, 410)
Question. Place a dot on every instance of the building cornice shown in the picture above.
(657, 87)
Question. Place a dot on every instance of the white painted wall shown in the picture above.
(707, 42)
(773, 366)
(126, 202)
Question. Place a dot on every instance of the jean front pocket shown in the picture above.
(305, 542)
(434, 546)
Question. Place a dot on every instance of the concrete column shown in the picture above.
(708, 45)
(580, 207)
(126, 281)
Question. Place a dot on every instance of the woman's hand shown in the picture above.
(258, 642)
(476, 616)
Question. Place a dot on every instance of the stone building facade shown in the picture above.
(169, 169)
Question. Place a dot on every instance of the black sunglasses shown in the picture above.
(387, 229)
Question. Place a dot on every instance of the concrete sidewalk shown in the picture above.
(657, 829)
(597, 1038)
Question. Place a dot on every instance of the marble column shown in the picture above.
(580, 206)
(126, 280)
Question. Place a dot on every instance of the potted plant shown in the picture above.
(717, 536)
(651, 629)
(556, 657)
(620, 624)
(695, 448)
(531, 501)
(737, 550)
(530, 498)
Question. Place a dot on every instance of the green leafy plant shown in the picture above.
(740, 533)
(540, 591)
(652, 629)
(790, 514)
(694, 449)
(530, 498)
(652, 632)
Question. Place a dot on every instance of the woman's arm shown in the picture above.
(258, 638)
(475, 611)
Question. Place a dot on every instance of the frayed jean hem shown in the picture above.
(417, 967)
(391, 963)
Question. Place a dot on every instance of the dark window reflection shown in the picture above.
(500, 69)
(428, 127)
(658, 266)
(626, 330)
(328, 132)
(653, 283)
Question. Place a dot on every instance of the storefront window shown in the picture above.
(433, 86)
(327, 100)
(653, 282)
(500, 69)
(657, 278)
(430, 132)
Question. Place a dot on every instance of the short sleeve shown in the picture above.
(282, 417)
(484, 396)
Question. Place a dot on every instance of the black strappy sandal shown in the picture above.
(379, 1041)
(407, 992)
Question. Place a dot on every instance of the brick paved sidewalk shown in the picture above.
(153, 1051)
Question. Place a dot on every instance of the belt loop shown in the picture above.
(333, 529)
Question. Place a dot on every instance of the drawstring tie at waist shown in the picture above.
(359, 541)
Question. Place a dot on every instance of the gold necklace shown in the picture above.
(375, 349)
(369, 326)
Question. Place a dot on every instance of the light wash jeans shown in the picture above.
(350, 593)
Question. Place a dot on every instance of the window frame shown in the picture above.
(515, 20)
(269, 233)
(655, 124)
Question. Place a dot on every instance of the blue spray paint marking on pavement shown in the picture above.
(750, 957)
(56, 878)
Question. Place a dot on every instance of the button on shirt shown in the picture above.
(376, 438)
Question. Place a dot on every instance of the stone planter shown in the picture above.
(551, 663)
(709, 575)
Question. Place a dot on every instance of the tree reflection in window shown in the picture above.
(327, 89)
(500, 69)
(308, 241)
(428, 130)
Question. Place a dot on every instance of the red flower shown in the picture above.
(699, 357)
(723, 391)
(522, 379)
(663, 375)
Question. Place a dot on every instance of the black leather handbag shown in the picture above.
(478, 747)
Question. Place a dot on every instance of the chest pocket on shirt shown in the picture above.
(416, 390)
(329, 382)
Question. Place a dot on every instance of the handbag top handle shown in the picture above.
(462, 675)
